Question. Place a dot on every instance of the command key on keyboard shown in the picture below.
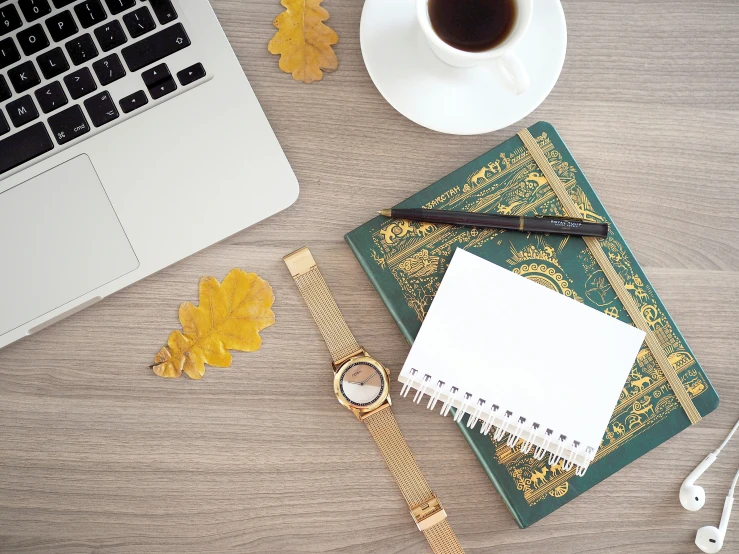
(68, 125)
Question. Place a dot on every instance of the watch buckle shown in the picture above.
(428, 513)
(299, 262)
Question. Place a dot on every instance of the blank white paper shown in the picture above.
(523, 347)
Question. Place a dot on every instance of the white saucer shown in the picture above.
(450, 99)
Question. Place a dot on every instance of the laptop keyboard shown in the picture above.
(59, 57)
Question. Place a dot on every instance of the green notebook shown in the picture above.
(405, 262)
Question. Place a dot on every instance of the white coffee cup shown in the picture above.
(500, 58)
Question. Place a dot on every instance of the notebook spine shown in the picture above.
(501, 422)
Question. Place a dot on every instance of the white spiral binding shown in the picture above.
(491, 416)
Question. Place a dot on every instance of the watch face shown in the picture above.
(362, 384)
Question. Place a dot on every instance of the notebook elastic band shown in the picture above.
(593, 244)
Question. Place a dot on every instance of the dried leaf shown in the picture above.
(304, 41)
(229, 317)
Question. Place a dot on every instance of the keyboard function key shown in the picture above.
(80, 83)
(4, 126)
(155, 47)
(51, 97)
(117, 6)
(24, 146)
(34, 9)
(110, 35)
(155, 75)
(109, 69)
(61, 26)
(101, 109)
(90, 12)
(81, 49)
(8, 53)
(68, 124)
(133, 101)
(164, 10)
(191, 74)
(22, 111)
(139, 22)
(52, 63)
(24, 77)
(4, 89)
(10, 19)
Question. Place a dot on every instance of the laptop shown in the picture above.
(129, 139)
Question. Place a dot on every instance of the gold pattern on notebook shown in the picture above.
(514, 185)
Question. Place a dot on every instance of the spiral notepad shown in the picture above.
(522, 360)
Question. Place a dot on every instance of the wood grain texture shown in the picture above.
(99, 455)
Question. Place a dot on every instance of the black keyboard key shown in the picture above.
(164, 10)
(81, 49)
(23, 146)
(101, 108)
(22, 111)
(110, 35)
(155, 75)
(34, 9)
(4, 127)
(80, 83)
(90, 12)
(61, 3)
(68, 124)
(51, 97)
(4, 89)
(52, 63)
(33, 39)
(139, 22)
(163, 88)
(134, 101)
(109, 69)
(8, 53)
(23, 77)
(61, 26)
(10, 19)
(155, 47)
(191, 74)
(117, 6)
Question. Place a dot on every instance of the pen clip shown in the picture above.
(563, 217)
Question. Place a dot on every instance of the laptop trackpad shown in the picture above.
(59, 239)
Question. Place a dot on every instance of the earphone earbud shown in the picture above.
(692, 496)
(710, 539)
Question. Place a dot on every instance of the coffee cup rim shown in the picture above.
(522, 25)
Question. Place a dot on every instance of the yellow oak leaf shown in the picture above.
(304, 41)
(229, 317)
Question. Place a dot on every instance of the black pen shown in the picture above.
(527, 224)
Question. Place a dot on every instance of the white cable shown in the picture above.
(733, 484)
(726, 440)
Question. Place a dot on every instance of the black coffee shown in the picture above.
(472, 25)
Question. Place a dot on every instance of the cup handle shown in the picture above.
(510, 65)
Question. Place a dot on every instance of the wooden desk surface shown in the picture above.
(99, 455)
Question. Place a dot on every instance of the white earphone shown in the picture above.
(709, 539)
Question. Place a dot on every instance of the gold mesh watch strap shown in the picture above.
(425, 508)
(339, 339)
(442, 539)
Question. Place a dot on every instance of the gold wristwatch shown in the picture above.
(361, 383)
